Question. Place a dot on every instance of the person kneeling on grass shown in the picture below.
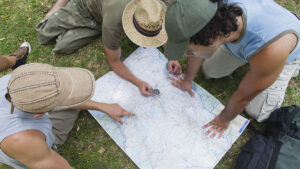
(223, 35)
(26, 134)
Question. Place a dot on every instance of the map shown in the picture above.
(166, 132)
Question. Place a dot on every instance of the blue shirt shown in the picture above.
(264, 21)
(19, 121)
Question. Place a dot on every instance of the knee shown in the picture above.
(209, 72)
(44, 33)
(63, 47)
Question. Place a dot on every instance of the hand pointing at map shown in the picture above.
(115, 111)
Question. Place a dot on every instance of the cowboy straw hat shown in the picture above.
(144, 22)
(40, 88)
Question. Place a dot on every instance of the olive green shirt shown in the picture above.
(109, 14)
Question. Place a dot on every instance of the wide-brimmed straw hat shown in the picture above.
(39, 88)
(144, 22)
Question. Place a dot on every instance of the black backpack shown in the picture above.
(278, 147)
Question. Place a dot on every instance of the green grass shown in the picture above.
(17, 22)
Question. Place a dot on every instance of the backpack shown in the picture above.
(278, 147)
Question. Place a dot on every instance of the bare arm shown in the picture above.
(58, 4)
(193, 65)
(113, 110)
(265, 68)
(30, 148)
(121, 70)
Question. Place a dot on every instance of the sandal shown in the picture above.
(21, 58)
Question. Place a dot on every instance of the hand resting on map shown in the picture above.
(217, 126)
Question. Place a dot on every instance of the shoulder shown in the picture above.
(274, 55)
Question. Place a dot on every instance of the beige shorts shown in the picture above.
(62, 123)
(222, 63)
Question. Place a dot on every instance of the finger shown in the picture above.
(35, 116)
(178, 77)
(118, 120)
(221, 133)
(175, 84)
(210, 130)
(177, 70)
(170, 67)
(125, 113)
(191, 93)
(144, 93)
(129, 114)
(214, 134)
(174, 79)
(207, 125)
(150, 92)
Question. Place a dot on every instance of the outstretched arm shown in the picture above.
(121, 70)
(113, 110)
(265, 68)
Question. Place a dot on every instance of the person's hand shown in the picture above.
(218, 126)
(174, 67)
(182, 84)
(115, 111)
(145, 88)
(38, 115)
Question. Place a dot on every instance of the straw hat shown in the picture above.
(39, 88)
(144, 22)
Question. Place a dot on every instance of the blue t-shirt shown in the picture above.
(19, 121)
(264, 21)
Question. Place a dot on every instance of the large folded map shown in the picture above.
(166, 132)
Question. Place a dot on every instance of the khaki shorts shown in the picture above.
(62, 123)
(222, 63)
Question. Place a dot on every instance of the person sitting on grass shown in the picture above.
(224, 35)
(73, 24)
(26, 95)
(15, 60)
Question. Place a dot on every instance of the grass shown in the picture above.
(17, 22)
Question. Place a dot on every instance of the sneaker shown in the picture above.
(22, 54)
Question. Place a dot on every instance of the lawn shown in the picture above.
(89, 147)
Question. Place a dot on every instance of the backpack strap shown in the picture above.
(275, 153)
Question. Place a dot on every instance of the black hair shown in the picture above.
(221, 24)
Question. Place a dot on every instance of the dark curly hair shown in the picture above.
(221, 24)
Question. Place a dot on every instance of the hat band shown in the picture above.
(144, 31)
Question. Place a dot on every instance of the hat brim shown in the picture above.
(137, 37)
(175, 51)
(78, 86)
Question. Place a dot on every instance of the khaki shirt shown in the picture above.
(109, 14)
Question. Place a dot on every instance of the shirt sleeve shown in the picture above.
(112, 32)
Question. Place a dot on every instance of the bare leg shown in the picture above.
(7, 62)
